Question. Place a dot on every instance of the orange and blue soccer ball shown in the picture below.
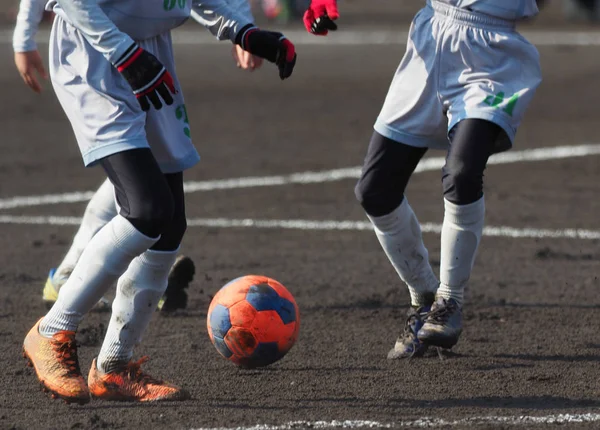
(253, 321)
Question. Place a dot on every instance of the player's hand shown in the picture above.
(245, 60)
(271, 46)
(148, 78)
(320, 16)
(28, 64)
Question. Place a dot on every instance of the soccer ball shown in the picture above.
(253, 321)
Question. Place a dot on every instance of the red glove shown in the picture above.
(319, 17)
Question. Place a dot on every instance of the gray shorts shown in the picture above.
(458, 65)
(102, 109)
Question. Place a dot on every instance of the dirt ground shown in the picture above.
(530, 346)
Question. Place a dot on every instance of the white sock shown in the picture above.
(461, 234)
(106, 257)
(139, 290)
(99, 211)
(400, 236)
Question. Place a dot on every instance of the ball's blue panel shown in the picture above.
(231, 282)
(219, 321)
(263, 355)
(222, 347)
(264, 298)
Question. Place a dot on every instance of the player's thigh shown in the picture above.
(494, 77)
(105, 115)
(168, 129)
(412, 112)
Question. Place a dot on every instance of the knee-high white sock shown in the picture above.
(106, 257)
(99, 211)
(461, 234)
(400, 236)
(139, 290)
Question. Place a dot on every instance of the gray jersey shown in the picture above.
(111, 26)
(506, 9)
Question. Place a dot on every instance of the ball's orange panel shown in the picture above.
(242, 314)
(232, 293)
(268, 327)
(240, 341)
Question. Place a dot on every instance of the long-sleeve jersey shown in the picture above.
(507, 9)
(28, 21)
(111, 26)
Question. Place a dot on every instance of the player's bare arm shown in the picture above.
(27, 57)
(245, 60)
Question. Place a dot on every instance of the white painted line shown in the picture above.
(309, 225)
(364, 37)
(428, 164)
(522, 420)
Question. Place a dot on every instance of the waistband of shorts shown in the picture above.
(468, 17)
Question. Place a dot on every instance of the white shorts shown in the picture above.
(458, 65)
(104, 113)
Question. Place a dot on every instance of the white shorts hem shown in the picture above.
(409, 139)
(496, 118)
(97, 153)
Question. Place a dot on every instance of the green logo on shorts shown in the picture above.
(498, 101)
(170, 4)
(181, 114)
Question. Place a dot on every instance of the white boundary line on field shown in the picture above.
(361, 37)
(310, 225)
(424, 422)
(428, 164)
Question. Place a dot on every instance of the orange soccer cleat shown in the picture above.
(56, 366)
(131, 384)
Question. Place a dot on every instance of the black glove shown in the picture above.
(271, 46)
(147, 76)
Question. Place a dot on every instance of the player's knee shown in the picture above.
(171, 238)
(462, 185)
(153, 215)
(377, 201)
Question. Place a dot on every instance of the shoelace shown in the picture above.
(67, 352)
(409, 335)
(440, 315)
(134, 371)
(408, 331)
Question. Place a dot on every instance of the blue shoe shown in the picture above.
(50, 292)
(408, 345)
(53, 285)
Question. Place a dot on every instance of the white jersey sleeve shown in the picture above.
(29, 17)
(223, 18)
(100, 32)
